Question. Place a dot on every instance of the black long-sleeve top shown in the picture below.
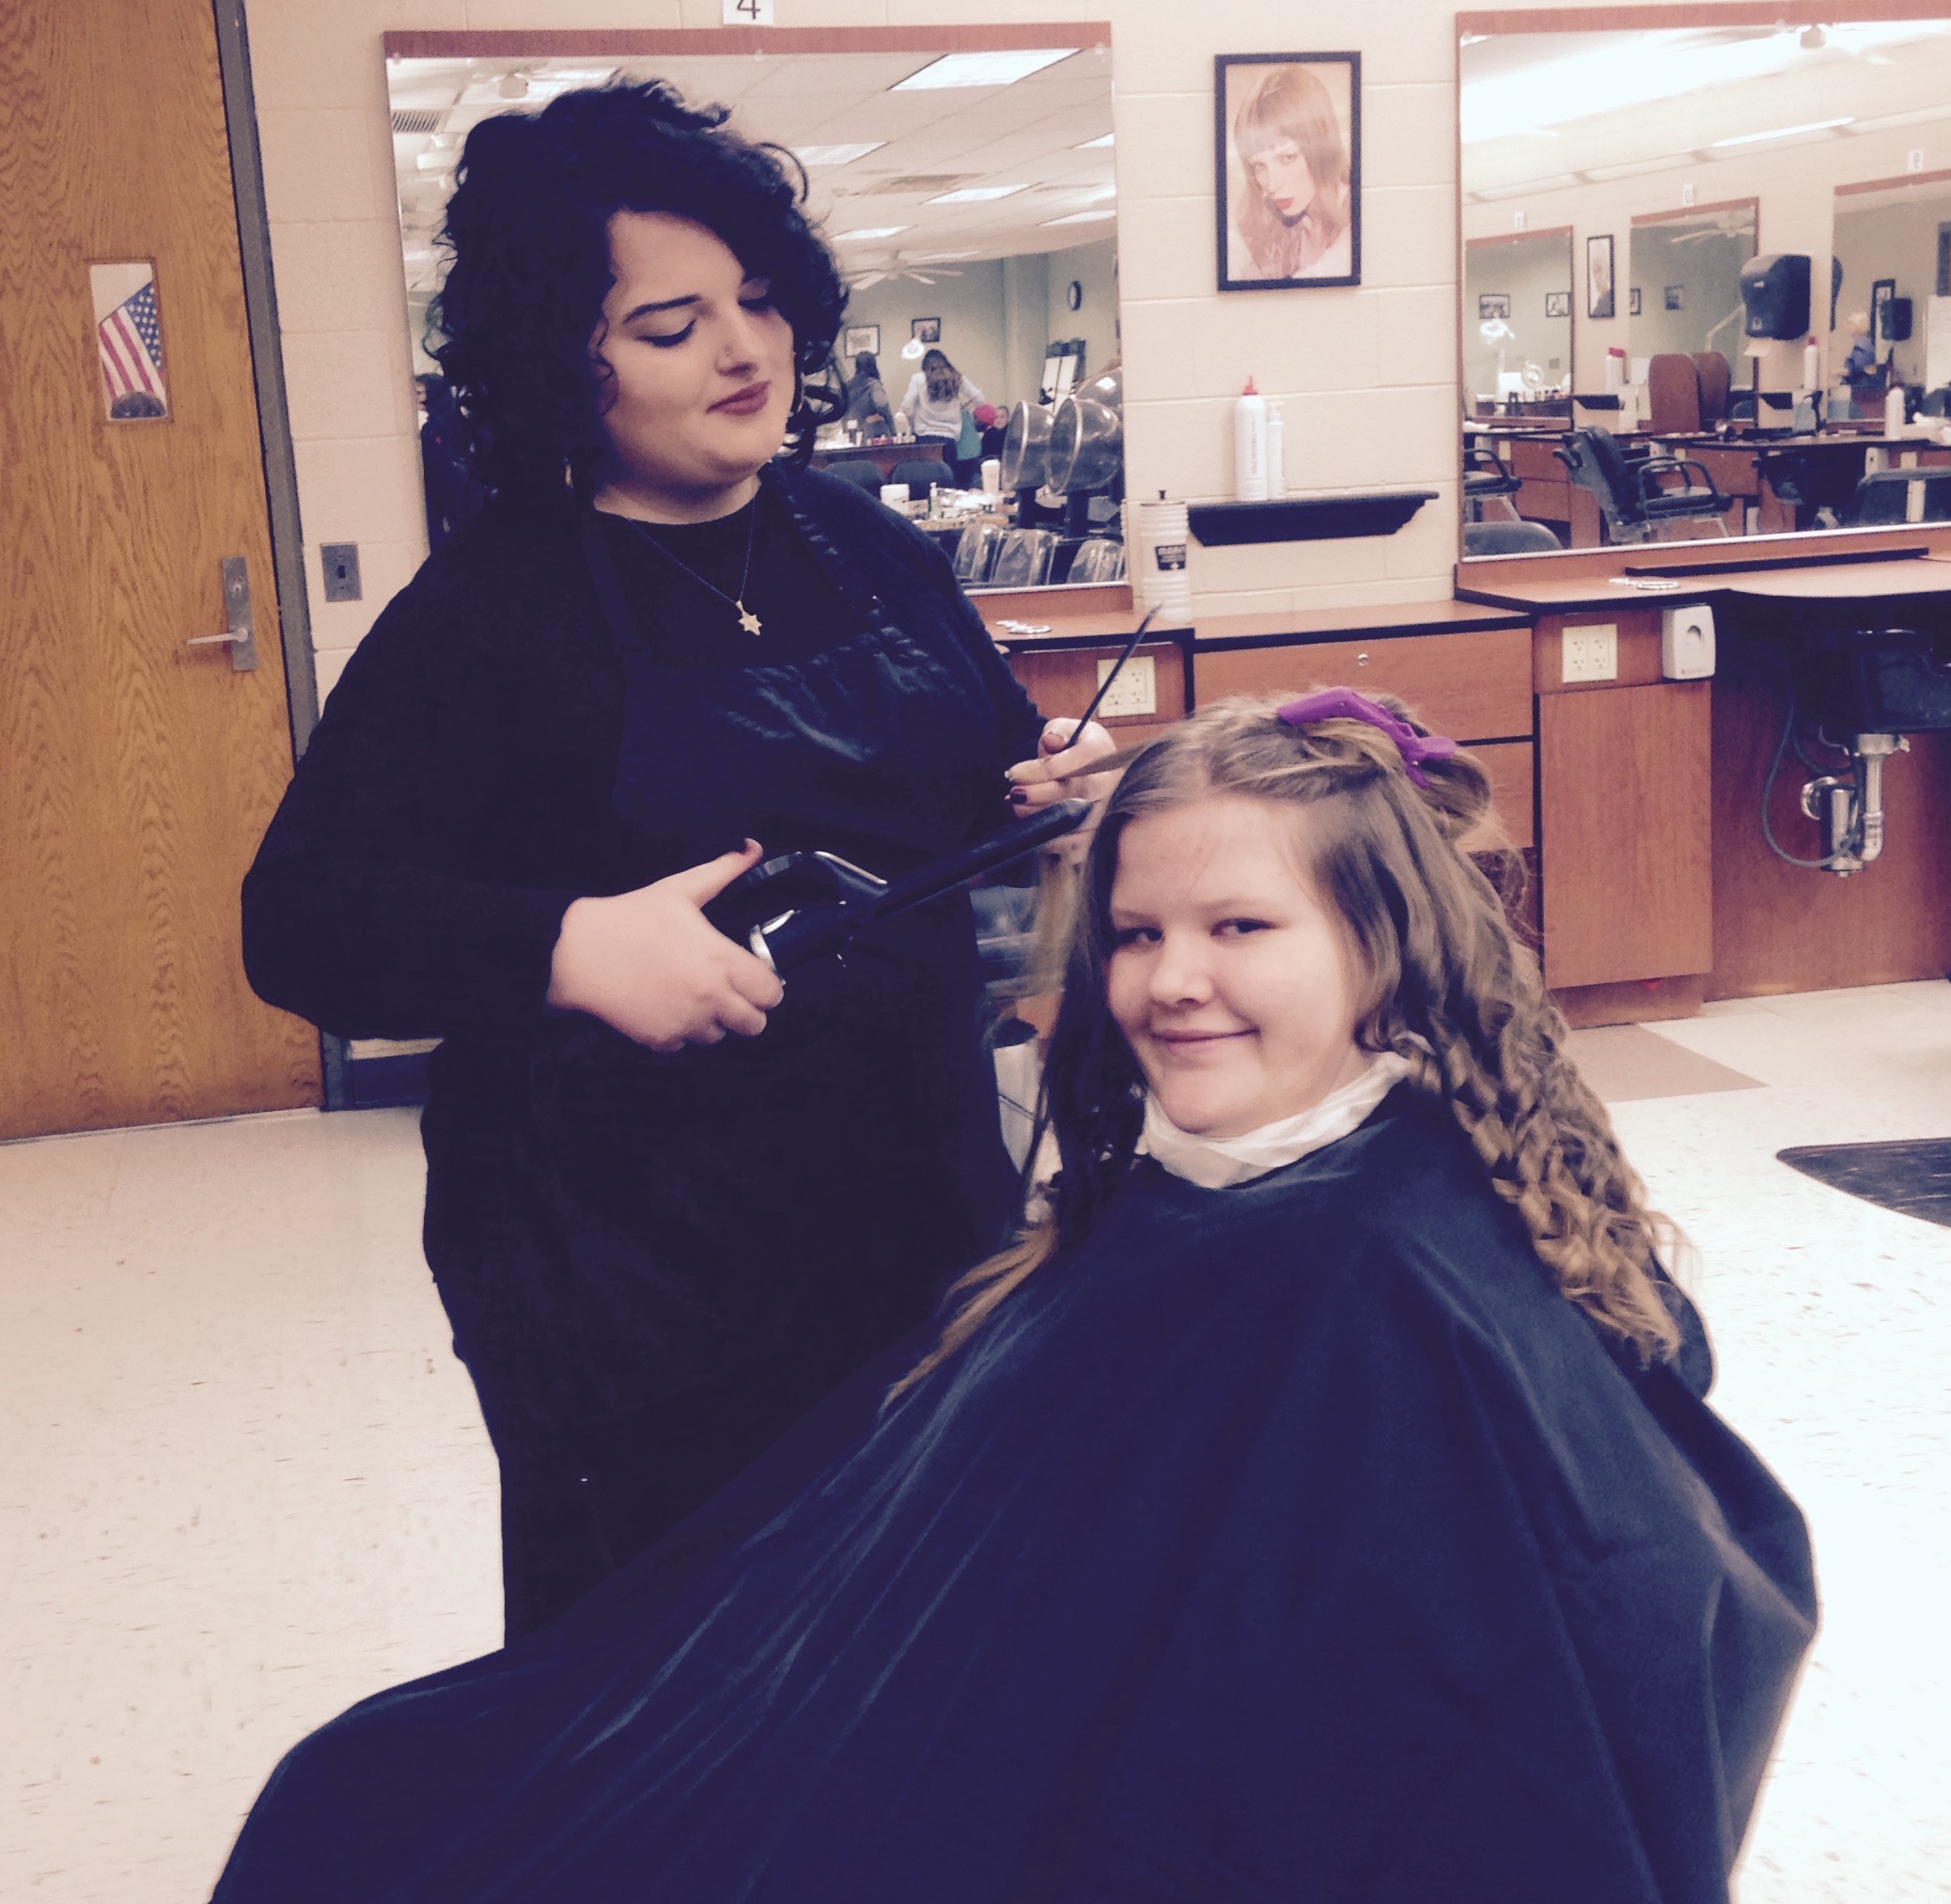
(606, 1222)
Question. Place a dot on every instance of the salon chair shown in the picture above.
(1487, 480)
(1098, 559)
(975, 554)
(1508, 538)
(1023, 558)
(1632, 493)
(1673, 395)
(862, 475)
(921, 474)
(1900, 495)
(1713, 380)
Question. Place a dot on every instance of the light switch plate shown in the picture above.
(1589, 651)
(1135, 692)
(341, 564)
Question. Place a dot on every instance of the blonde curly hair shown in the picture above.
(1450, 988)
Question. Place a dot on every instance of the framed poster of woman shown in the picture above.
(1289, 152)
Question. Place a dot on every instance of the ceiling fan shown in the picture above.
(900, 266)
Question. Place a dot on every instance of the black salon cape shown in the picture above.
(1290, 1541)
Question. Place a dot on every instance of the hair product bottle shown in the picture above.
(1276, 452)
(1250, 446)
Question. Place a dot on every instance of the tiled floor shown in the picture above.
(242, 1480)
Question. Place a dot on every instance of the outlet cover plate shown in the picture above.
(1135, 690)
(1589, 651)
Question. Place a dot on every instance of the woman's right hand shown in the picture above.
(651, 964)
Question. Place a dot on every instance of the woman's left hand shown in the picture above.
(1056, 772)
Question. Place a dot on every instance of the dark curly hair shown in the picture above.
(528, 227)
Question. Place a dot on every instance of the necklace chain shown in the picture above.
(747, 620)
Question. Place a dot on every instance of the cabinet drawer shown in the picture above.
(1472, 686)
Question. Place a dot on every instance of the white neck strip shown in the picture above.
(1218, 1162)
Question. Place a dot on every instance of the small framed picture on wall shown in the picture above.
(1599, 301)
(1287, 169)
(859, 338)
(1632, 301)
(1491, 306)
(1557, 304)
(926, 330)
(1676, 297)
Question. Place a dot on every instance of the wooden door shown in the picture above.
(136, 772)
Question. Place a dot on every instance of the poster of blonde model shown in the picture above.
(1289, 136)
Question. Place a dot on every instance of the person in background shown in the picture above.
(1291, 216)
(938, 395)
(1321, 1502)
(454, 494)
(867, 404)
(670, 1203)
(1860, 371)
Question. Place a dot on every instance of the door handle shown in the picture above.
(239, 636)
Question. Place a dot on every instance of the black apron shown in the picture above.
(725, 1232)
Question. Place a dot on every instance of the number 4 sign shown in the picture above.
(748, 13)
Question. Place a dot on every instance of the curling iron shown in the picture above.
(802, 906)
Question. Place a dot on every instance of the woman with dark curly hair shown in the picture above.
(1321, 1502)
(669, 1205)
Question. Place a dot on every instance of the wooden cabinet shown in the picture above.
(1626, 802)
(1062, 680)
(1474, 685)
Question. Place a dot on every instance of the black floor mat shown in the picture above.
(1913, 1177)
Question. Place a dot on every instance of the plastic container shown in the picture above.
(991, 476)
(1811, 367)
(1250, 446)
(1276, 452)
(1162, 545)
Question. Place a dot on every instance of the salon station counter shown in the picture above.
(1637, 799)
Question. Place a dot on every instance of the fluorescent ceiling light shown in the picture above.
(1096, 145)
(835, 155)
(868, 231)
(1002, 67)
(1626, 69)
(1081, 218)
(970, 194)
(1782, 132)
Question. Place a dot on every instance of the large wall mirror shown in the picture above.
(964, 177)
(1640, 159)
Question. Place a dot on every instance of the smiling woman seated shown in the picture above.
(1318, 1501)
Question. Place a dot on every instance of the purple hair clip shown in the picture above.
(1344, 704)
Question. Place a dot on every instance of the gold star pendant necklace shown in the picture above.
(747, 620)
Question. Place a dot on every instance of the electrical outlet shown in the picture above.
(1135, 690)
(1687, 194)
(1913, 159)
(1590, 652)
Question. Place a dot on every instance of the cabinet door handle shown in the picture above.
(239, 637)
(1361, 659)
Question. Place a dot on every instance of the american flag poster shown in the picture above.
(129, 337)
